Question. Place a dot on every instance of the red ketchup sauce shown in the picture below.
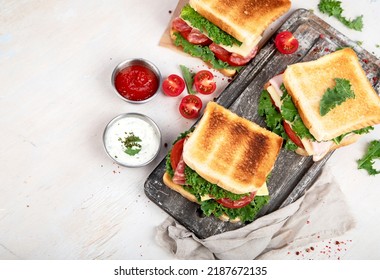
(136, 82)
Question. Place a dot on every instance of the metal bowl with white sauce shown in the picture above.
(132, 139)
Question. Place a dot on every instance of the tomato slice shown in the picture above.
(176, 152)
(244, 201)
(173, 85)
(204, 82)
(190, 106)
(292, 135)
(286, 43)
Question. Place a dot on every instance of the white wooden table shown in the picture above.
(61, 197)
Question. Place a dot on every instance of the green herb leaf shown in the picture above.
(336, 96)
(189, 79)
(368, 160)
(132, 151)
(290, 113)
(216, 34)
(131, 143)
(333, 8)
(273, 118)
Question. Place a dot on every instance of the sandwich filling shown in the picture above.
(212, 198)
(201, 38)
(282, 117)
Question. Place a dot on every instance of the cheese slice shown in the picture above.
(244, 49)
(263, 190)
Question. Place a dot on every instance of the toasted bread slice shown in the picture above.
(243, 19)
(226, 72)
(230, 151)
(307, 82)
(178, 188)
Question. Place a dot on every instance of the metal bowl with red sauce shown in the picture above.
(136, 80)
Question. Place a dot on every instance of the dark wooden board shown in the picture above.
(292, 174)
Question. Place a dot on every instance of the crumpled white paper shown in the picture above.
(320, 214)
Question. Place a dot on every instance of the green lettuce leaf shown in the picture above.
(290, 113)
(216, 34)
(246, 214)
(202, 52)
(200, 187)
(273, 119)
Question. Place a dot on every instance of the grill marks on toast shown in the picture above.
(231, 151)
(254, 154)
(243, 19)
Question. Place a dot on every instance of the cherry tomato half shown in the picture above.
(190, 106)
(292, 135)
(173, 85)
(176, 152)
(204, 82)
(286, 43)
(245, 200)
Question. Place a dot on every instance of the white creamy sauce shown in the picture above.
(120, 128)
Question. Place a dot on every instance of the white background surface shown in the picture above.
(61, 196)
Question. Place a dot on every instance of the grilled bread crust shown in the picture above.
(230, 151)
(178, 188)
(307, 82)
(242, 19)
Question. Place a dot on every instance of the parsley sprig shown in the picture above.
(131, 143)
(336, 95)
(334, 8)
(368, 160)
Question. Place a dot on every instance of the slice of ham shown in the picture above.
(233, 59)
(179, 173)
(181, 25)
(192, 35)
(320, 149)
(276, 83)
(238, 60)
(196, 37)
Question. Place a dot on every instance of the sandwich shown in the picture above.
(225, 33)
(321, 105)
(223, 164)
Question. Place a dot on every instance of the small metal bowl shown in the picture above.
(141, 62)
(141, 126)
